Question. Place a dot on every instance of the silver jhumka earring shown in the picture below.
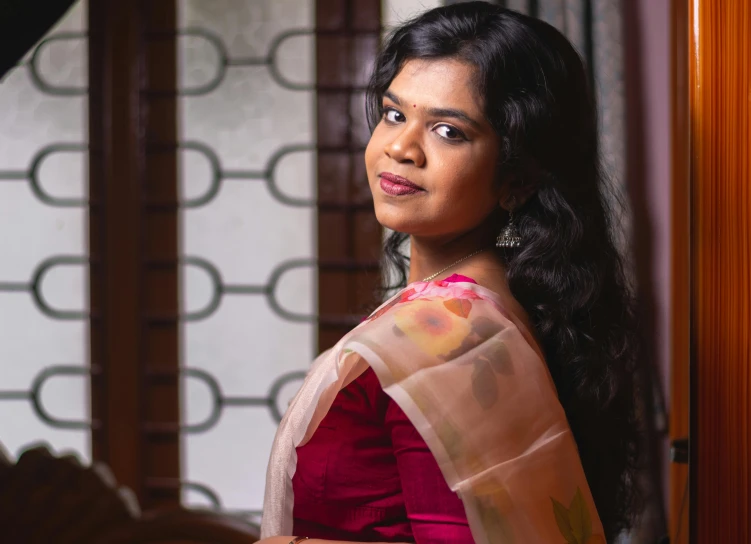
(509, 236)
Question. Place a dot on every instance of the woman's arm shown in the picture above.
(435, 513)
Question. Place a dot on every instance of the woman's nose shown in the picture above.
(406, 147)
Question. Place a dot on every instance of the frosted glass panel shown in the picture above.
(247, 184)
(43, 239)
(394, 12)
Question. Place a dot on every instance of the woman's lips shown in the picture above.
(394, 185)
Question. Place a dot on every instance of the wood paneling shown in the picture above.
(720, 139)
(133, 245)
(114, 238)
(349, 237)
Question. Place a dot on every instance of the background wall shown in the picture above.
(647, 24)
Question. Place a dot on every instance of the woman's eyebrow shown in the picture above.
(454, 113)
(439, 112)
(391, 96)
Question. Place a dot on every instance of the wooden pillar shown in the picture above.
(349, 237)
(133, 245)
(719, 54)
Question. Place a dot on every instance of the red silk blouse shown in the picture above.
(367, 475)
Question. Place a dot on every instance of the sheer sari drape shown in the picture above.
(476, 387)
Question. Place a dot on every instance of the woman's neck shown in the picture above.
(429, 256)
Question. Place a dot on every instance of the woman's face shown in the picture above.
(432, 158)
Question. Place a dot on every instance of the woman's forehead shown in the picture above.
(437, 83)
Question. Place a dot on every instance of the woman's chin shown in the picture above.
(405, 227)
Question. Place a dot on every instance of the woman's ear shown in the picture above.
(518, 187)
(514, 196)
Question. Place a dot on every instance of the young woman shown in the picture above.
(491, 399)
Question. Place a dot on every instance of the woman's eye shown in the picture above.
(449, 132)
(393, 116)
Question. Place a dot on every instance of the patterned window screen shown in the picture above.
(44, 375)
(247, 182)
(397, 11)
(248, 132)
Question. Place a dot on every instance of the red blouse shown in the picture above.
(367, 475)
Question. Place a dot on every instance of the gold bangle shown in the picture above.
(299, 539)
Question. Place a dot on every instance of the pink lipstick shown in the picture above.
(394, 185)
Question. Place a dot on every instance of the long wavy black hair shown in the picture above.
(568, 275)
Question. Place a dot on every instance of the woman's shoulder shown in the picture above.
(456, 287)
(504, 300)
(451, 305)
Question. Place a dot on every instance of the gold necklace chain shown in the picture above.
(454, 264)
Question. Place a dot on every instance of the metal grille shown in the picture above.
(36, 283)
(220, 291)
(265, 62)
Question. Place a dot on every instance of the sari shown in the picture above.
(475, 385)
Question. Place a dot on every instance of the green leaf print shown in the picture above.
(495, 524)
(574, 522)
(581, 522)
(484, 386)
(564, 524)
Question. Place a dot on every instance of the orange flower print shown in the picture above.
(459, 306)
(432, 322)
(431, 326)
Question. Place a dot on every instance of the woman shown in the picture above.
(494, 405)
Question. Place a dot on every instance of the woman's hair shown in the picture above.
(568, 274)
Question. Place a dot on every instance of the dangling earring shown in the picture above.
(509, 236)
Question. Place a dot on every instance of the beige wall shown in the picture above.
(648, 175)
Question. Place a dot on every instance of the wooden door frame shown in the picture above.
(349, 236)
(679, 494)
(133, 222)
(133, 217)
(711, 253)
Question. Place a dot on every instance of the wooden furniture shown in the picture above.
(55, 498)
